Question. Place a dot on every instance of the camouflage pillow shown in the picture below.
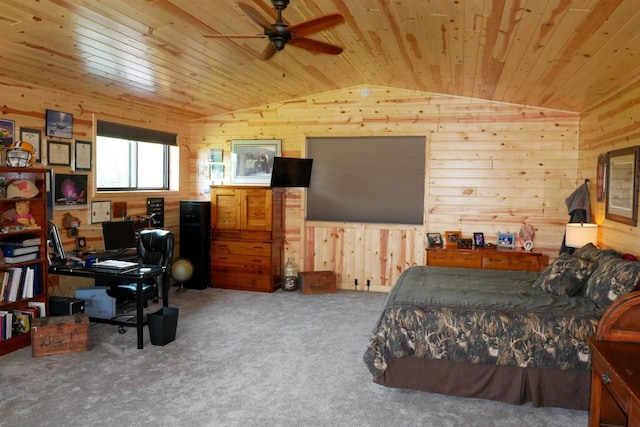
(566, 275)
(612, 278)
(593, 254)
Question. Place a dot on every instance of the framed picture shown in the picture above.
(622, 185)
(33, 137)
(59, 153)
(70, 191)
(59, 124)
(601, 181)
(478, 240)
(452, 237)
(506, 240)
(83, 155)
(465, 243)
(215, 155)
(217, 171)
(434, 239)
(252, 160)
(100, 211)
(7, 132)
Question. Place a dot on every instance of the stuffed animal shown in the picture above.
(22, 216)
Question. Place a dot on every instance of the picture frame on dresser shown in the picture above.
(452, 237)
(434, 240)
(478, 240)
(506, 240)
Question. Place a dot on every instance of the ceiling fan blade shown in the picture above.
(314, 25)
(268, 51)
(254, 15)
(234, 36)
(316, 46)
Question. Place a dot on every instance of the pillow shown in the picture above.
(566, 275)
(612, 278)
(593, 254)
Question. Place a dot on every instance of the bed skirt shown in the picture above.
(568, 389)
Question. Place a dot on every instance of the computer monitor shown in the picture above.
(118, 235)
(55, 242)
(291, 172)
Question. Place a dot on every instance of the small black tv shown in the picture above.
(291, 172)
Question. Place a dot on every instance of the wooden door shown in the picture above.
(226, 209)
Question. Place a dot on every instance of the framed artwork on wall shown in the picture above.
(70, 191)
(33, 137)
(601, 178)
(622, 185)
(252, 160)
(59, 153)
(59, 124)
(100, 211)
(7, 131)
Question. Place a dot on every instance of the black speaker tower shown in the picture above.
(195, 227)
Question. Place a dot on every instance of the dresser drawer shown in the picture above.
(612, 382)
(229, 278)
(444, 259)
(250, 262)
(511, 261)
(240, 248)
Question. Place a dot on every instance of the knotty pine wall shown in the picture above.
(609, 126)
(490, 167)
(26, 105)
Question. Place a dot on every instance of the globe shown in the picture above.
(182, 270)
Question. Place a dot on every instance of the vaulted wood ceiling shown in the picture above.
(561, 54)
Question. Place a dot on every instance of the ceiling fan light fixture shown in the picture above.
(280, 4)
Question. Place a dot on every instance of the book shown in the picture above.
(18, 250)
(21, 322)
(41, 306)
(22, 240)
(14, 284)
(21, 258)
(4, 279)
(27, 283)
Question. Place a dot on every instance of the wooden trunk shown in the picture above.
(317, 282)
(60, 334)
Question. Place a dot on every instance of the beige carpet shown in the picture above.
(240, 359)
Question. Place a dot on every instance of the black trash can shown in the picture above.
(162, 325)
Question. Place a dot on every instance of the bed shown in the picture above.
(513, 336)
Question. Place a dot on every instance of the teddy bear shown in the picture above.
(23, 215)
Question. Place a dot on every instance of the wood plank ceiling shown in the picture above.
(560, 54)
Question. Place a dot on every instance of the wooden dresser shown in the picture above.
(498, 259)
(615, 374)
(247, 237)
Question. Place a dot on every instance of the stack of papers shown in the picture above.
(116, 265)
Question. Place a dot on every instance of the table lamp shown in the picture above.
(580, 234)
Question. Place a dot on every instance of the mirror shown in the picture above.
(622, 185)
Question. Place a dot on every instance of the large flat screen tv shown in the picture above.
(291, 172)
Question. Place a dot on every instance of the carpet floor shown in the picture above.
(240, 359)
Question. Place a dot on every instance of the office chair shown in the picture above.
(155, 246)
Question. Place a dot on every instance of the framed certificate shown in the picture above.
(33, 137)
(100, 212)
(83, 155)
(59, 153)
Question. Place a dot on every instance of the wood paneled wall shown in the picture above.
(26, 105)
(609, 126)
(490, 167)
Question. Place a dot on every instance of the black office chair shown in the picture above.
(155, 246)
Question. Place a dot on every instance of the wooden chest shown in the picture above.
(317, 282)
(59, 334)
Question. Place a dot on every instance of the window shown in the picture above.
(129, 158)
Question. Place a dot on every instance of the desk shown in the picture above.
(138, 275)
(615, 384)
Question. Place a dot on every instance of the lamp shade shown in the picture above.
(579, 234)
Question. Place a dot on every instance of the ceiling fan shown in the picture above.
(281, 34)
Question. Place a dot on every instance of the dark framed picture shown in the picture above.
(478, 240)
(623, 168)
(83, 155)
(434, 239)
(33, 137)
(452, 237)
(70, 191)
(59, 153)
(506, 240)
(465, 243)
(59, 124)
(252, 160)
(601, 178)
(7, 132)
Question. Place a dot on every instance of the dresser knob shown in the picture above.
(606, 379)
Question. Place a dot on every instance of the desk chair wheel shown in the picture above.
(121, 330)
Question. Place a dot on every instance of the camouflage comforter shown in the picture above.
(481, 316)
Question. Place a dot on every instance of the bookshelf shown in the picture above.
(9, 195)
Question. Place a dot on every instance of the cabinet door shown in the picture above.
(256, 210)
(226, 209)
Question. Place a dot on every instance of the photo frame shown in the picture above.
(452, 237)
(59, 153)
(252, 160)
(465, 243)
(100, 211)
(622, 185)
(478, 240)
(7, 132)
(215, 155)
(83, 155)
(33, 137)
(70, 191)
(59, 124)
(434, 240)
(506, 240)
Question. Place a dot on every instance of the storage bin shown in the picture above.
(317, 282)
(59, 334)
(162, 325)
